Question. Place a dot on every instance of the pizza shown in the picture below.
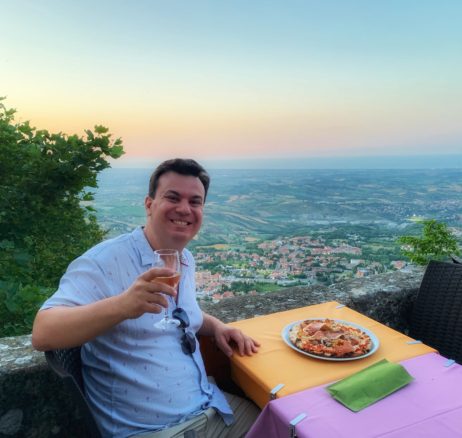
(329, 338)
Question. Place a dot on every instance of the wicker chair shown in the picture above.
(437, 313)
(67, 365)
(456, 259)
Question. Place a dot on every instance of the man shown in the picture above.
(139, 379)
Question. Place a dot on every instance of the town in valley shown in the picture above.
(269, 229)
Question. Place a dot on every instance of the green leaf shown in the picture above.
(88, 196)
(99, 129)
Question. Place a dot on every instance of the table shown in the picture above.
(430, 406)
(276, 363)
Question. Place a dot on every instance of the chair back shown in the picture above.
(436, 317)
(456, 259)
(66, 363)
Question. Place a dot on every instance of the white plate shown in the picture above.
(374, 339)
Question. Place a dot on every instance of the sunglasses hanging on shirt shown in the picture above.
(188, 340)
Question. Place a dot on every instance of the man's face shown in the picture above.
(174, 216)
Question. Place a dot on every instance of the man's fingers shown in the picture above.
(157, 299)
(242, 347)
(154, 308)
(157, 287)
(238, 340)
(252, 347)
(224, 346)
(249, 346)
(152, 273)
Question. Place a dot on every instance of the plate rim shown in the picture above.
(372, 335)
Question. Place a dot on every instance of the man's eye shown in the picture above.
(172, 198)
(196, 203)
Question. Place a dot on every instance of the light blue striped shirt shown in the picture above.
(137, 378)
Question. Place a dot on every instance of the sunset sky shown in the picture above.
(239, 79)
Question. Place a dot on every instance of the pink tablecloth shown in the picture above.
(430, 406)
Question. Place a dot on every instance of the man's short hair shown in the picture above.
(183, 166)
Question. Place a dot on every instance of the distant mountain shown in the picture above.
(270, 203)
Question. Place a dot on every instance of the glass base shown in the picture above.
(166, 323)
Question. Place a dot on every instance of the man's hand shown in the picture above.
(227, 337)
(146, 295)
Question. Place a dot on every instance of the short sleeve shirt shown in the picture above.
(137, 378)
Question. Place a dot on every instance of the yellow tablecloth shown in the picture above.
(277, 363)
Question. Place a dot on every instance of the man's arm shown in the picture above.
(66, 326)
(225, 336)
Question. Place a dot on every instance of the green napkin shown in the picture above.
(370, 385)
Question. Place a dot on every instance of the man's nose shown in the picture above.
(183, 207)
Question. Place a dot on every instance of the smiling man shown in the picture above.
(141, 380)
(174, 209)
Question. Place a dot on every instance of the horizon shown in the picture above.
(409, 162)
(237, 81)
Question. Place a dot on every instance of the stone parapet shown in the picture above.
(34, 403)
(387, 298)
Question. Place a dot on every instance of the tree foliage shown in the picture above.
(46, 217)
(436, 243)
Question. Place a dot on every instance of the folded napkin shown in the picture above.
(370, 385)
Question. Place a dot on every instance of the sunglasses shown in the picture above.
(188, 340)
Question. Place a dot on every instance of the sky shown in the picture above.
(289, 81)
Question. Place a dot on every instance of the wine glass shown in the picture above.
(167, 258)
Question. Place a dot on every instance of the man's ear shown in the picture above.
(147, 204)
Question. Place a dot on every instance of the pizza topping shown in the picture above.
(330, 338)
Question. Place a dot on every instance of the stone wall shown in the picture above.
(387, 298)
(33, 402)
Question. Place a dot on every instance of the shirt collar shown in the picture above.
(143, 246)
(146, 252)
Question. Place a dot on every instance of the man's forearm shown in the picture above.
(65, 327)
(209, 325)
